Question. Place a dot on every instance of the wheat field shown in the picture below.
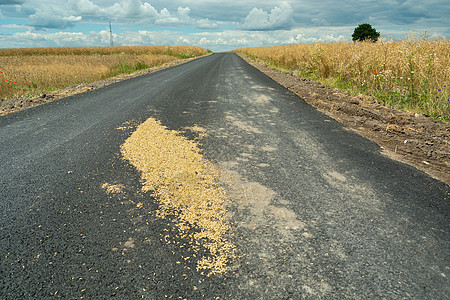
(180, 51)
(411, 74)
(30, 72)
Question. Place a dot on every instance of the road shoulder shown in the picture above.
(406, 137)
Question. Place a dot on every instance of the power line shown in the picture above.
(111, 42)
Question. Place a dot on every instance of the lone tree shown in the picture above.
(365, 32)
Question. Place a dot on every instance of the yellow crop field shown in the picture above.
(31, 71)
(412, 74)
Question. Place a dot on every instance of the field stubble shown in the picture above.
(411, 74)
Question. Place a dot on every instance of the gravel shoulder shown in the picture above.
(407, 137)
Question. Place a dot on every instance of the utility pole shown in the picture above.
(111, 42)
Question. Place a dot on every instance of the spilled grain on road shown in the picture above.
(186, 185)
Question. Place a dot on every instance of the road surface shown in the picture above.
(316, 211)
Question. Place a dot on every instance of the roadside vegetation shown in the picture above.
(411, 74)
(30, 72)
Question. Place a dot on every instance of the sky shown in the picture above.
(218, 25)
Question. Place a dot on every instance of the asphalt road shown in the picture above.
(316, 210)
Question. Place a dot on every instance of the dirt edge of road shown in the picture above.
(21, 103)
(407, 137)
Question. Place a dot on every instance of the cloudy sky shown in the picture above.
(218, 25)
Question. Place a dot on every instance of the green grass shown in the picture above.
(127, 68)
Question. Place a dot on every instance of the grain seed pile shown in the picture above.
(186, 186)
(113, 188)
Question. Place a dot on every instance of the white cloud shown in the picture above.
(126, 12)
(184, 12)
(180, 18)
(279, 18)
(206, 24)
(133, 9)
(216, 41)
(85, 7)
(166, 18)
(52, 19)
(224, 25)
(42, 39)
